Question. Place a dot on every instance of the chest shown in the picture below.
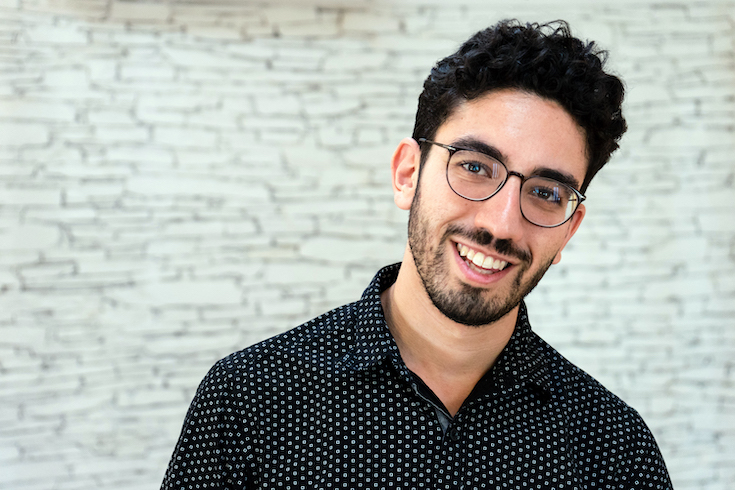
(376, 430)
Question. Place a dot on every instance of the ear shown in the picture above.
(405, 172)
(573, 225)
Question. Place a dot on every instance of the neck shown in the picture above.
(448, 356)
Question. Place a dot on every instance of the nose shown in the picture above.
(501, 214)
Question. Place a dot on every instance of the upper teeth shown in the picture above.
(480, 259)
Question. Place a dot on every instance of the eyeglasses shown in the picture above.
(477, 176)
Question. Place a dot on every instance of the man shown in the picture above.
(434, 378)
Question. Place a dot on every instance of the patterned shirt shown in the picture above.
(331, 404)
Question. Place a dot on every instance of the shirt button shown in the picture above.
(454, 434)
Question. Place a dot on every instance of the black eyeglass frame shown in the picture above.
(454, 149)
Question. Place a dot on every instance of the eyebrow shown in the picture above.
(474, 144)
(557, 175)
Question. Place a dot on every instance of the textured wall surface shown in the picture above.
(181, 179)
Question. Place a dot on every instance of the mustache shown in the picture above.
(486, 239)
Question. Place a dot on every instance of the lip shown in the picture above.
(493, 255)
(470, 272)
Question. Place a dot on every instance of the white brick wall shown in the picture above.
(180, 180)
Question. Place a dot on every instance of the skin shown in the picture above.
(532, 135)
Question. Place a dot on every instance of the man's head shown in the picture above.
(477, 259)
(536, 102)
(541, 59)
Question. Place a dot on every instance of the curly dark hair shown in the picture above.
(544, 59)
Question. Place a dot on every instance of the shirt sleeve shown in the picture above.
(214, 450)
(643, 466)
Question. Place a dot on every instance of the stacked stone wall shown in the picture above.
(181, 179)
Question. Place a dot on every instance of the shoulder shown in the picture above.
(321, 342)
(596, 417)
(586, 401)
(571, 384)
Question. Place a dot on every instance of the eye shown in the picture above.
(475, 168)
(545, 193)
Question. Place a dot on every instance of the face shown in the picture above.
(478, 260)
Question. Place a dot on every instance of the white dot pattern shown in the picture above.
(330, 404)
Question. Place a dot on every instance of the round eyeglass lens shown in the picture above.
(547, 202)
(474, 175)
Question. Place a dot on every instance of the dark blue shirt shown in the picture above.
(331, 404)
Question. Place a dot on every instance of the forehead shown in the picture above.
(530, 132)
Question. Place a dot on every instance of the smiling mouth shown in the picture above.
(483, 263)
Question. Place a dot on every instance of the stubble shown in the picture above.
(465, 304)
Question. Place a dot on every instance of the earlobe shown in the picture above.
(573, 225)
(405, 172)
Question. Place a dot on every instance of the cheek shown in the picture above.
(439, 208)
(548, 249)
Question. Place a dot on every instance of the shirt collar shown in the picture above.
(373, 340)
(522, 361)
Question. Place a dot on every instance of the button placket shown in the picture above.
(454, 434)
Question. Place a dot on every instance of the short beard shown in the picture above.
(467, 305)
